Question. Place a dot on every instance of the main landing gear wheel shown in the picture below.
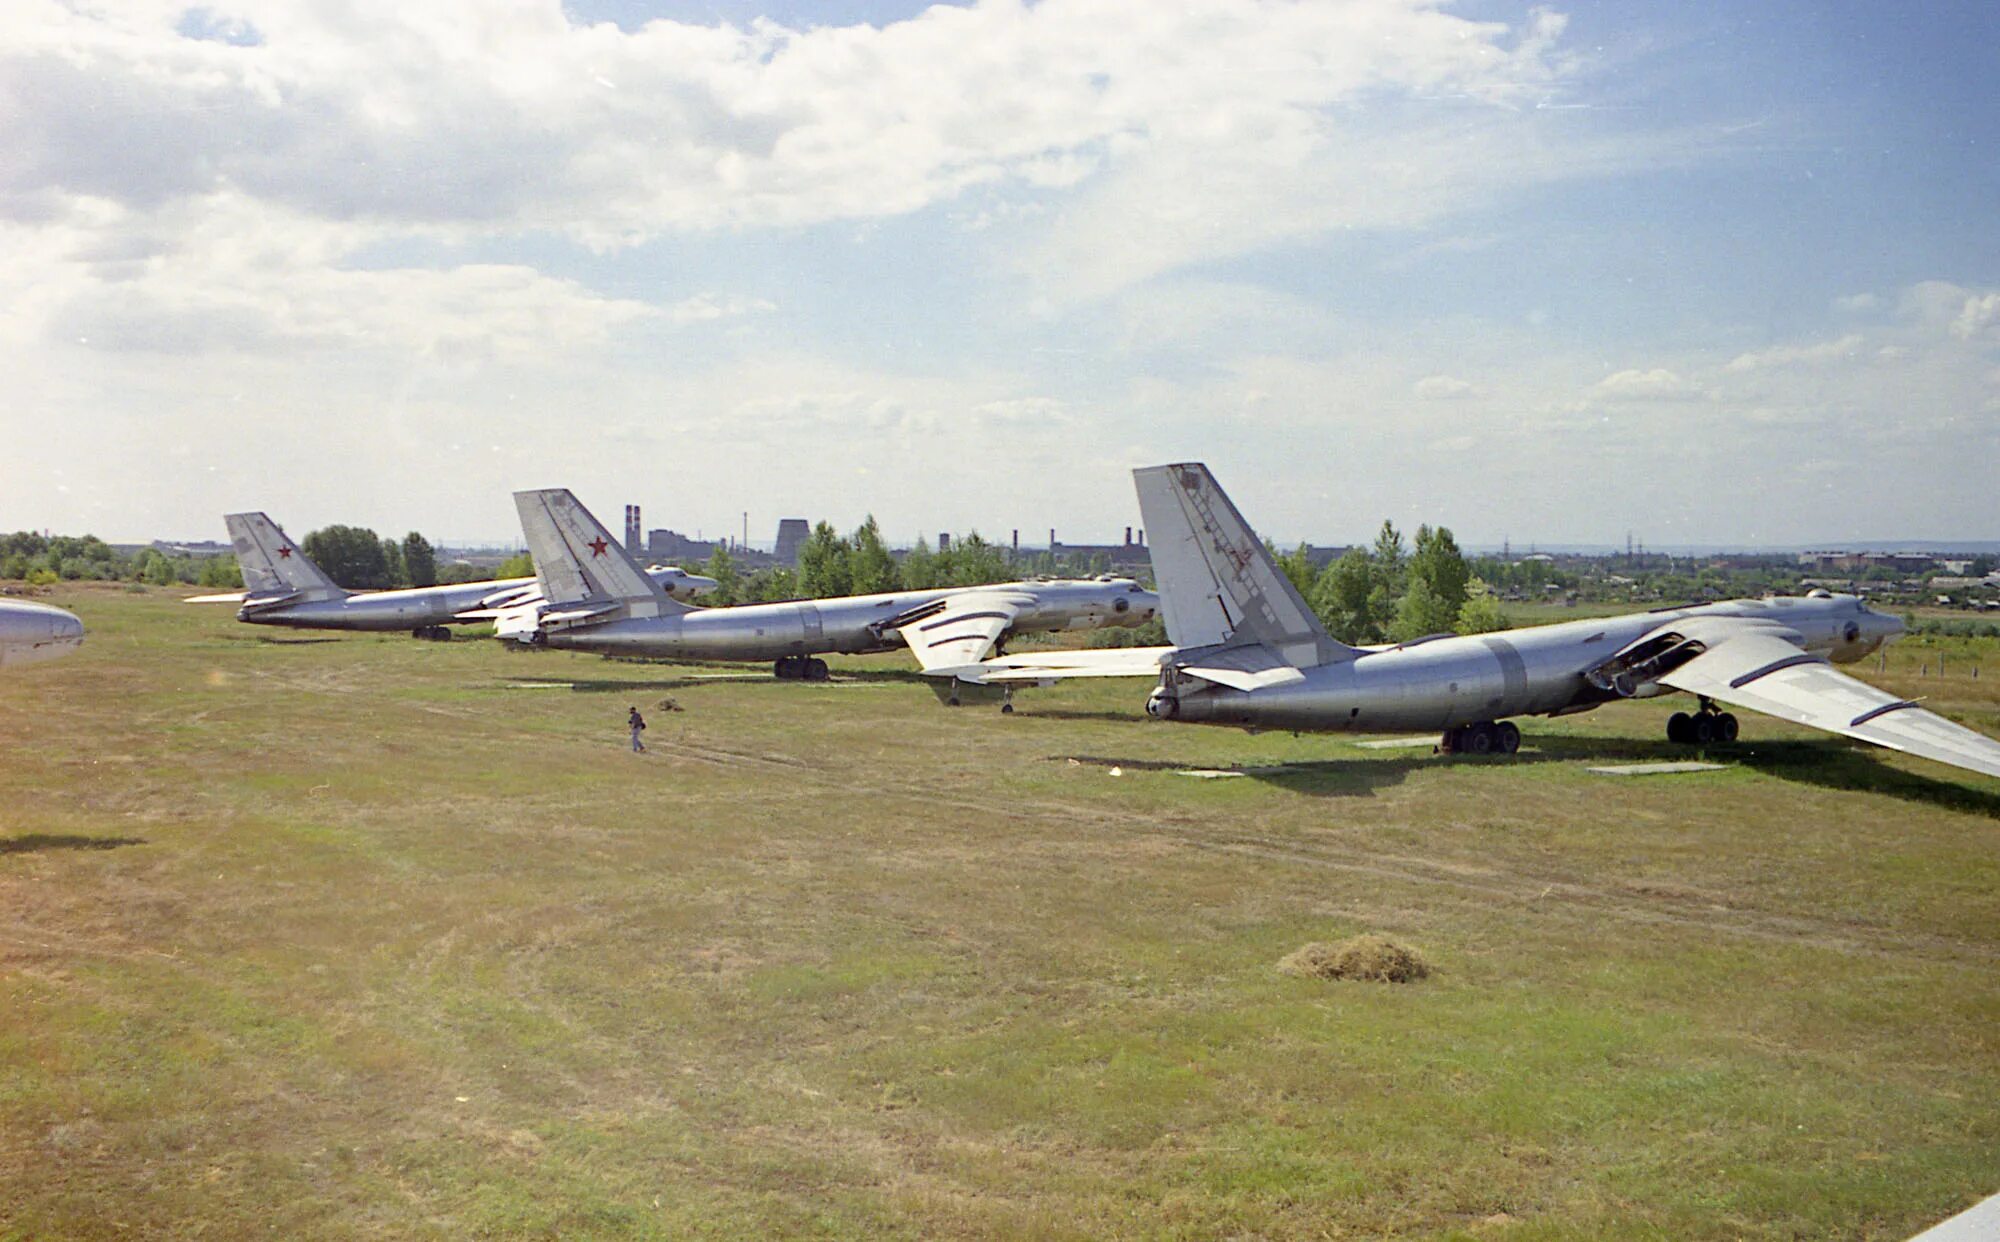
(1703, 728)
(1484, 738)
(435, 633)
(800, 668)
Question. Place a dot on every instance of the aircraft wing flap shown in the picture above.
(1767, 674)
(1049, 667)
(963, 632)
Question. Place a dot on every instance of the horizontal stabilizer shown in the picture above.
(1242, 668)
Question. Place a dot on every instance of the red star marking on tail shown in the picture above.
(285, 553)
(597, 546)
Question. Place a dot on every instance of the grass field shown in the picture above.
(366, 937)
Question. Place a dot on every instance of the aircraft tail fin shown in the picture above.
(577, 560)
(1218, 584)
(271, 562)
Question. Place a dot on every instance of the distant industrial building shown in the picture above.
(1131, 554)
(792, 535)
(1851, 562)
(671, 545)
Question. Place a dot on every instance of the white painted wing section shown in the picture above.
(1769, 675)
(232, 597)
(1054, 666)
(965, 630)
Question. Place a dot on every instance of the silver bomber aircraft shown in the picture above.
(1248, 651)
(31, 632)
(283, 587)
(596, 599)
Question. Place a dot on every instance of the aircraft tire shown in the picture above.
(1725, 727)
(1701, 729)
(816, 670)
(1478, 740)
(1678, 729)
(1507, 737)
(786, 668)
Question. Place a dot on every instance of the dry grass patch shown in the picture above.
(1370, 958)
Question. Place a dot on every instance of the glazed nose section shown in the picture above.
(1144, 606)
(67, 630)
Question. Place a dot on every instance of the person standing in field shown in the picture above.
(638, 726)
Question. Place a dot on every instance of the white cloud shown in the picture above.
(703, 307)
(1657, 384)
(1798, 355)
(1856, 303)
(1443, 388)
(1980, 312)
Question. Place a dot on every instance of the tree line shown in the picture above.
(45, 559)
(1391, 592)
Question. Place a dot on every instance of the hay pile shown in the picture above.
(1375, 959)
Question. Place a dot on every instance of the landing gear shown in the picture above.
(1706, 727)
(1007, 701)
(1485, 738)
(800, 668)
(435, 633)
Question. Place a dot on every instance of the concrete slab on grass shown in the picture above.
(1655, 769)
(1394, 743)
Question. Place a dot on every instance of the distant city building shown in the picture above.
(671, 545)
(1850, 562)
(633, 527)
(792, 535)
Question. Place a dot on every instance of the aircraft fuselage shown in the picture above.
(847, 625)
(31, 632)
(1537, 671)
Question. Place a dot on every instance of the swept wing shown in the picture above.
(1759, 670)
(960, 629)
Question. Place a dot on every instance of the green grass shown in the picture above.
(363, 938)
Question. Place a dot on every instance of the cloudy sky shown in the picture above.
(1711, 272)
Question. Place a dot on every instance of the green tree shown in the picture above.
(872, 569)
(1437, 575)
(722, 567)
(1389, 554)
(350, 555)
(419, 560)
(157, 569)
(1297, 565)
(823, 563)
(520, 565)
(920, 567)
(1345, 597)
(392, 561)
(770, 585)
(976, 562)
(1481, 612)
(222, 572)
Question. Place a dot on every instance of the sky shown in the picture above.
(1711, 273)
